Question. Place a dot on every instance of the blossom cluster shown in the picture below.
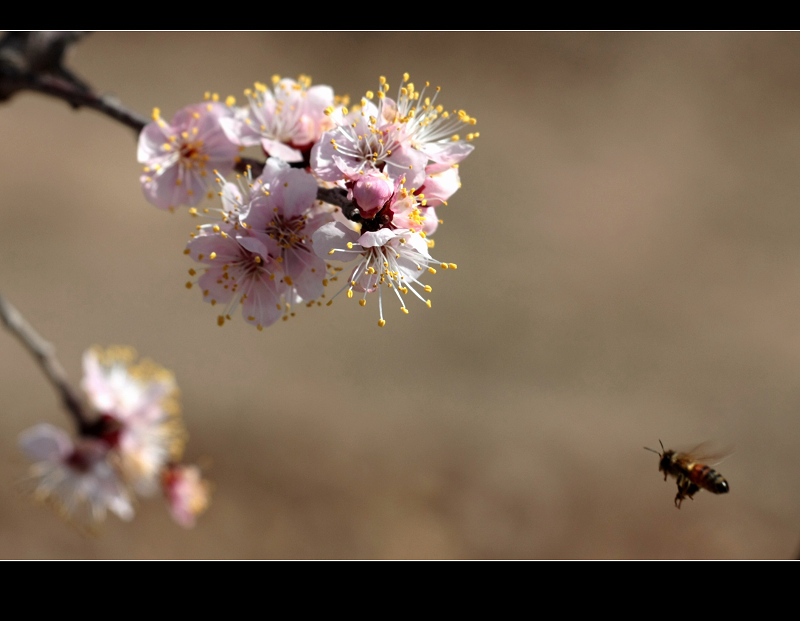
(339, 185)
(132, 446)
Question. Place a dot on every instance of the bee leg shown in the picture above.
(684, 490)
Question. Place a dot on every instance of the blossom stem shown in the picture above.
(45, 355)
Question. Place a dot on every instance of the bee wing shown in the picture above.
(705, 453)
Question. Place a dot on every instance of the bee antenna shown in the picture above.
(653, 450)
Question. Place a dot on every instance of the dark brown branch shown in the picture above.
(45, 355)
(33, 61)
(56, 87)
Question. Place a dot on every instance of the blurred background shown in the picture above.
(628, 241)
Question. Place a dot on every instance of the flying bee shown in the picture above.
(692, 475)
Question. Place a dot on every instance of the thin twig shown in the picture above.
(45, 355)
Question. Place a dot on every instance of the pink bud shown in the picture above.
(370, 193)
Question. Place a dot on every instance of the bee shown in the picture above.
(692, 475)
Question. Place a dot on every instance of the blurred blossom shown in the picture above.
(136, 437)
(140, 415)
(77, 478)
(186, 492)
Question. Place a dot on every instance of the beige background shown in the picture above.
(628, 242)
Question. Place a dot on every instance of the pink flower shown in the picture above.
(186, 492)
(240, 271)
(78, 478)
(394, 258)
(363, 142)
(286, 120)
(283, 214)
(179, 156)
(140, 415)
(397, 138)
(429, 127)
(407, 213)
(441, 182)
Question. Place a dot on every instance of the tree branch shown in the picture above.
(45, 355)
(33, 61)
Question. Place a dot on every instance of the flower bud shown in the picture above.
(370, 193)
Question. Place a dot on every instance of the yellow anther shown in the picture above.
(428, 288)
(156, 114)
(329, 302)
(213, 255)
(200, 256)
(288, 280)
(381, 322)
(230, 101)
(188, 285)
(349, 293)
(444, 266)
(192, 272)
(428, 303)
(405, 310)
(453, 266)
(362, 302)
(220, 320)
(331, 251)
(216, 228)
(431, 270)
(186, 251)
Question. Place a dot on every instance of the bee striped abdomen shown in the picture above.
(708, 478)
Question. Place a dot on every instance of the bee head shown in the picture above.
(666, 457)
